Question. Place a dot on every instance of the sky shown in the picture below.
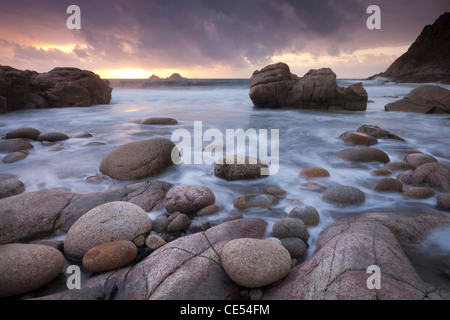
(210, 38)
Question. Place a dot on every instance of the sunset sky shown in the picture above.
(210, 38)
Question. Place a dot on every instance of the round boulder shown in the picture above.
(418, 193)
(399, 166)
(240, 168)
(295, 246)
(290, 228)
(154, 242)
(10, 186)
(254, 263)
(138, 160)
(26, 267)
(388, 185)
(208, 210)
(433, 175)
(274, 191)
(53, 136)
(363, 154)
(443, 201)
(108, 222)
(307, 214)
(160, 224)
(344, 195)
(15, 156)
(358, 139)
(311, 173)
(159, 120)
(188, 198)
(180, 223)
(381, 173)
(13, 145)
(109, 256)
(418, 159)
(23, 133)
(255, 200)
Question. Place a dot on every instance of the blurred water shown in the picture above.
(308, 138)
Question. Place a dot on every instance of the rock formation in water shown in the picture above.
(275, 86)
(427, 60)
(176, 76)
(61, 87)
(426, 99)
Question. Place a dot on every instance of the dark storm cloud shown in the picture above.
(183, 33)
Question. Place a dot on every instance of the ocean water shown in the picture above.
(307, 138)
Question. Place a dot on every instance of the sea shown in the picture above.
(306, 138)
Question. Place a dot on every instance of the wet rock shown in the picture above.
(381, 173)
(363, 154)
(344, 195)
(254, 263)
(295, 246)
(139, 241)
(14, 145)
(240, 168)
(388, 185)
(10, 186)
(418, 193)
(137, 160)
(208, 210)
(309, 215)
(60, 87)
(358, 139)
(443, 201)
(52, 136)
(83, 135)
(199, 225)
(399, 166)
(26, 267)
(23, 133)
(274, 191)
(159, 120)
(290, 228)
(191, 263)
(275, 86)
(188, 198)
(418, 159)
(95, 143)
(344, 251)
(433, 175)
(255, 200)
(311, 173)
(15, 156)
(154, 242)
(160, 224)
(31, 216)
(180, 223)
(109, 256)
(425, 99)
(377, 132)
(112, 221)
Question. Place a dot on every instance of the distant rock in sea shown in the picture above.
(275, 86)
(154, 76)
(176, 76)
(61, 87)
(427, 60)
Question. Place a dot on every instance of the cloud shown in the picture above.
(185, 34)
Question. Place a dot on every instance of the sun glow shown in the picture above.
(127, 73)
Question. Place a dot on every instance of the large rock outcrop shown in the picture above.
(275, 86)
(426, 99)
(348, 247)
(61, 87)
(427, 58)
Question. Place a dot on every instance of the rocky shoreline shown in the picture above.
(183, 255)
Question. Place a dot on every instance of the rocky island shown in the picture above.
(60, 87)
